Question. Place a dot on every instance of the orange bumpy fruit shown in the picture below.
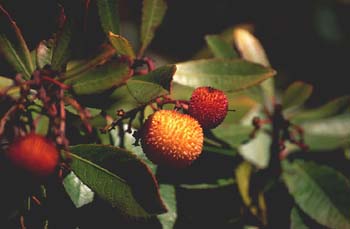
(209, 106)
(34, 154)
(171, 138)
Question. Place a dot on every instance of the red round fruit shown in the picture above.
(34, 154)
(172, 139)
(209, 106)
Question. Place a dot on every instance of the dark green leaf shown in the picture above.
(79, 193)
(296, 220)
(44, 53)
(146, 88)
(121, 45)
(220, 150)
(141, 90)
(320, 191)
(153, 12)
(220, 48)
(168, 194)
(79, 67)
(61, 52)
(13, 45)
(100, 79)
(296, 94)
(327, 134)
(219, 183)
(109, 15)
(117, 176)
(257, 150)
(226, 75)
(334, 107)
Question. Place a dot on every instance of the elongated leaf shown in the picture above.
(117, 176)
(320, 191)
(297, 222)
(153, 12)
(168, 194)
(219, 183)
(257, 150)
(111, 74)
(109, 15)
(243, 173)
(251, 49)
(79, 193)
(226, 75)
(13, 45)
(235, 135)
(296, 94)
(80, 67)
(5, 82)
(334, 107)
(44, 53)
(220, 48)
(328, 134)
(61, 52)
(121, 45)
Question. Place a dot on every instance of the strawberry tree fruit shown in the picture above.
(171, 138)
(34, 154)
(209, 106)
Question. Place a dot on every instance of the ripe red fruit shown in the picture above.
(34, 154)
(209, 106)
(171, 138)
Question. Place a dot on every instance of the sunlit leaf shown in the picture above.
(153, 12)
(13, 46)
(226, 75)
(79, 193)
(257, 150)
(320, 191)
(44, 53)
(121, 45)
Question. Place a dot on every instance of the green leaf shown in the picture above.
(5, 82)
(226, 75)
(168, 194)
(334, 107)
(148, 87)
(219, 183)
(153, 12)
(13, 46)
(243, 173)
(109, 15)
(220, 150)
(61, 52)
(44, 53)
(234, 135)
(140, 90)
(79, 193)
(297, 222)
(257, 150)
(121, 45)
(327, 134)
(220, 48)
(320, 191)
(100, 79)
(117, 176)
(252, 50)
(296, 94)
(79, 67)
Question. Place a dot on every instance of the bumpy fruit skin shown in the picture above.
(209, 106)
(172, 139)
(34, 154)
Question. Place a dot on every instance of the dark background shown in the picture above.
(305, 40)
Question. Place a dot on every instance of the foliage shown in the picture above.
(94, 106)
